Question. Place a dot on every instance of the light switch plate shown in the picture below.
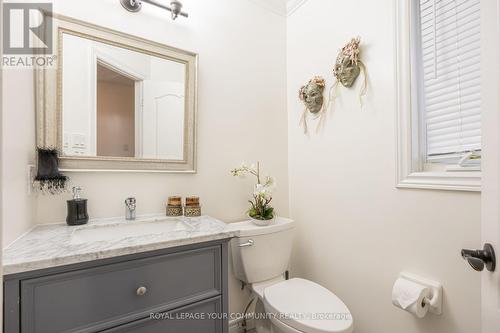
(31, 173)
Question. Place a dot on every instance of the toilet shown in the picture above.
(260, 257)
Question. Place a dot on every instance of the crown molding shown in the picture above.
(276, 6)
(280, 7)
(293, 5)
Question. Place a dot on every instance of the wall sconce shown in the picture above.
(136, 5)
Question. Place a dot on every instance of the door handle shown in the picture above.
(478, 259)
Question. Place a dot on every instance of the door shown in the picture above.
(490, 197)
(163, 120)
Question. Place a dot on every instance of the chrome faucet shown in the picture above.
(130, 205)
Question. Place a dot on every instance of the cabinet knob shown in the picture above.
(141, 291)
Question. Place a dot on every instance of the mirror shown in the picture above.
(122, 103)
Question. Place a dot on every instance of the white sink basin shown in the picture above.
(121, 230)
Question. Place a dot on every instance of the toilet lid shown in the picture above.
(308, 307)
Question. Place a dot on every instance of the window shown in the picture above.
(439, 94)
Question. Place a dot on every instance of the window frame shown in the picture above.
(413, 170)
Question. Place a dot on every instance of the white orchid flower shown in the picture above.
(259, 189)
(270, 182)
(262, 194)
(263, 191)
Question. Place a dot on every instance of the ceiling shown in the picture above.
(282, 7)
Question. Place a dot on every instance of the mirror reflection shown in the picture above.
(121, 103)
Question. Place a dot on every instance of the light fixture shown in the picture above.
(136, 5)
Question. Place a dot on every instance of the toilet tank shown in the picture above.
(261, 253)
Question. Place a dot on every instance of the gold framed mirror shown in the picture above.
(116, 102)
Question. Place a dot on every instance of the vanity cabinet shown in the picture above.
(181, 289)
(177, 321)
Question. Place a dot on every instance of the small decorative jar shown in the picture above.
(192, 201)
(174, 201)
(192, 207)
(174, 206)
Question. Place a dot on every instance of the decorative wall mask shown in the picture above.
(312, 96)
(348, 66)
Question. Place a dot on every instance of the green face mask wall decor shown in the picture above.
(312, 96)
(348, 67)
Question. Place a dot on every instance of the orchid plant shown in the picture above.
(262, 195)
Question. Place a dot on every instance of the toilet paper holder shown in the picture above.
(436, 300)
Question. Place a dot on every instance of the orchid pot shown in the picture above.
(260, 212)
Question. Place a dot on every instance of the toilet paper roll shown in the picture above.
(409, 296)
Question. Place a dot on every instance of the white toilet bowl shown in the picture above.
(299, 305)
(260, 257)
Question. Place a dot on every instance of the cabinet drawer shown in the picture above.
(194, 318)
(94, 299)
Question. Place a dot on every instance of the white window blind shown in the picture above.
(450, 79)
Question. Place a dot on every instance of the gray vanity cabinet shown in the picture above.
(185, 289)
(204, 323)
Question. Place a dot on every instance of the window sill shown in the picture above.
(452, 181)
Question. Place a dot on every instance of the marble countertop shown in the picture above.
(52, 245)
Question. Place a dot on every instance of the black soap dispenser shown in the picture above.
(77, 209)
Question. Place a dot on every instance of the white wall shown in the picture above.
(18, 150)
(78, 101)
(356, 231)
(241, 115)
(1, 155)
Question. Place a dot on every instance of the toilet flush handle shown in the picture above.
(250, 242)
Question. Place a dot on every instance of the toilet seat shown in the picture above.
(307, 307)
(258, 288)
